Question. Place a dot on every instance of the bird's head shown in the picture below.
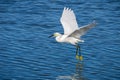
(56, 34)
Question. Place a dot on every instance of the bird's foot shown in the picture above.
(79, 57)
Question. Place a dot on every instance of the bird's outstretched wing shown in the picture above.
(68, 21)
(82, 30)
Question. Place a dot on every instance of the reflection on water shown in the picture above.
(79, 70)
(78, 75)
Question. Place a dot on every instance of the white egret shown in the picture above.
(72, 32)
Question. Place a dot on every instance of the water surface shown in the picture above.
(26, 52)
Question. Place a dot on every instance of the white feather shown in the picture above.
(68, 21)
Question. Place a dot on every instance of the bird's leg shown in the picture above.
(77, 49)
(78, 53)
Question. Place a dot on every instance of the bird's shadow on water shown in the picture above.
(78, 75)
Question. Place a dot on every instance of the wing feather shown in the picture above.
(68, 21)
(82, 30)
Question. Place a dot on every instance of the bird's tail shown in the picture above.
(81, 40)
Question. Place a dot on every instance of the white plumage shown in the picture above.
(68, 21)
(72, 32)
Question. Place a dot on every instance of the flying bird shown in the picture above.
(72, 33)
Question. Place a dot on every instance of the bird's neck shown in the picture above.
(58, 38)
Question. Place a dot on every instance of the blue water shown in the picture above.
(26, 52)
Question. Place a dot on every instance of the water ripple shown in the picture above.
(26, 52)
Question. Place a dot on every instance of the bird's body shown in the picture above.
(65, 38)
(72, 32)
